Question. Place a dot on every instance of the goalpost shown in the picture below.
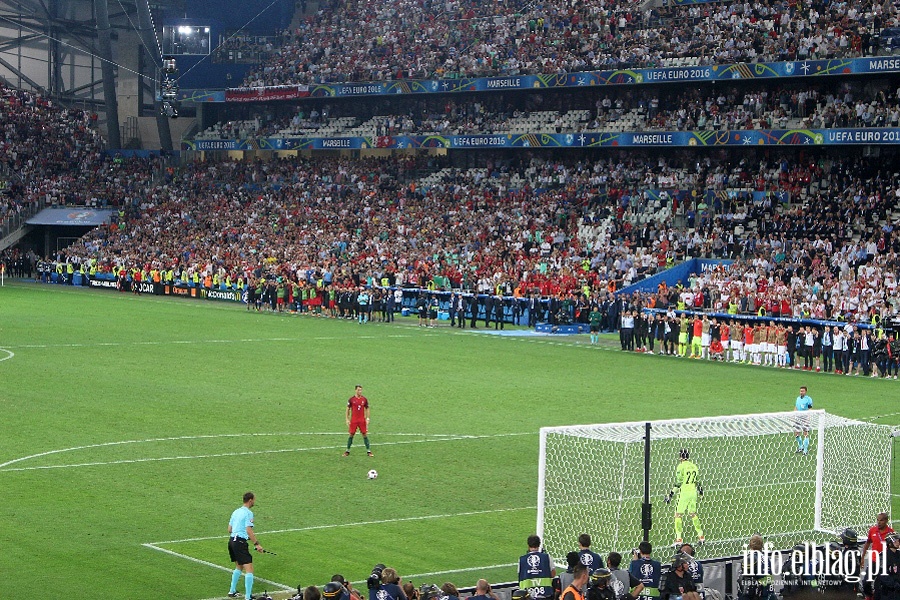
(591, 480)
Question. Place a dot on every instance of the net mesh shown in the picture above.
(752, 477)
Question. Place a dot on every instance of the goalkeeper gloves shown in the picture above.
(700, 490)
(668, 497)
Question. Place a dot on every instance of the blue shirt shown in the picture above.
(591, 560)
(648, 572)
(803, 403)
(535, 574)
(241, 519)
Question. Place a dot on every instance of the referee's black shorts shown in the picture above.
(239, 551)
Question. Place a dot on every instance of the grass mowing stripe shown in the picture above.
(363, 523)
(126, 461)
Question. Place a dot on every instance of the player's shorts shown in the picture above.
(595, 328)
(725, 344)
(782, 350)
(422, 313)
(704, 339)
(687, 504)
(682, 338)
(432, 314)
(737, 345)
(753, 348)
(239, 551)
(361, 425)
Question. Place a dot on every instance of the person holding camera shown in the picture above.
(646, 570)
(679, 584)
(384, 584)
(623, 583)
(600, 587)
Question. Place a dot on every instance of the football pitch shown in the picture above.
(133, 424)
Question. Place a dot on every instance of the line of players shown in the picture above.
(844, 350)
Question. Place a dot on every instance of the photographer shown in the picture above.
(623, 583)
(679, 585)
(384, 584)
(600, 588)
(646, 570)
(887, 587)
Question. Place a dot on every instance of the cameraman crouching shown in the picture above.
(384, 584)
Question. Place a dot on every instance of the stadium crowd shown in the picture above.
(572, 231)
(851, 104)
(419, 39)
(358, 222)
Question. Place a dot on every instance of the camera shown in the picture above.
(374, 580)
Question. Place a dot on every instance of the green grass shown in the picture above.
(214, 401)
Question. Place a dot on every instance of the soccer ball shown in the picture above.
(373, 474)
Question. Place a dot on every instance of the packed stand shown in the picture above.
(415, 39)
(852, 105)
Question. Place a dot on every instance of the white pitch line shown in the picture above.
(876, 417)
(439, 438)
(183, 342)
(9, 354)
(362, 523)
(215, 566)
(192, 437)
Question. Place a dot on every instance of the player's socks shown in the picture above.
(235, 577)
(678, 527)
(248, 584)
(696, 520)
(349, 442)
(805, 445)
(366, 442)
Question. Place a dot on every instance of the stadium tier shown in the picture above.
(403, 39)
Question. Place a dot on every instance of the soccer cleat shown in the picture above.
(234, 594)
(369, 454)
(347, 453)
(678, 542)
(701, 540)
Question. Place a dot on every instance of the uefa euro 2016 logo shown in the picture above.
(534, 561)
(811, 561)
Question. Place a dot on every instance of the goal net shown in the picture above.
(591, 480)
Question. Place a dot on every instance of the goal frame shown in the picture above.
(819, 419)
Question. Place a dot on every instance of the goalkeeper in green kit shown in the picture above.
(687, 485)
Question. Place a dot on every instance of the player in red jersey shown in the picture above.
(358, 418)
(875, 539)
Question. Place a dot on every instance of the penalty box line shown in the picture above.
(358, 524)
(215, 566)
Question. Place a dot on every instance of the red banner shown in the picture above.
(262, 94)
